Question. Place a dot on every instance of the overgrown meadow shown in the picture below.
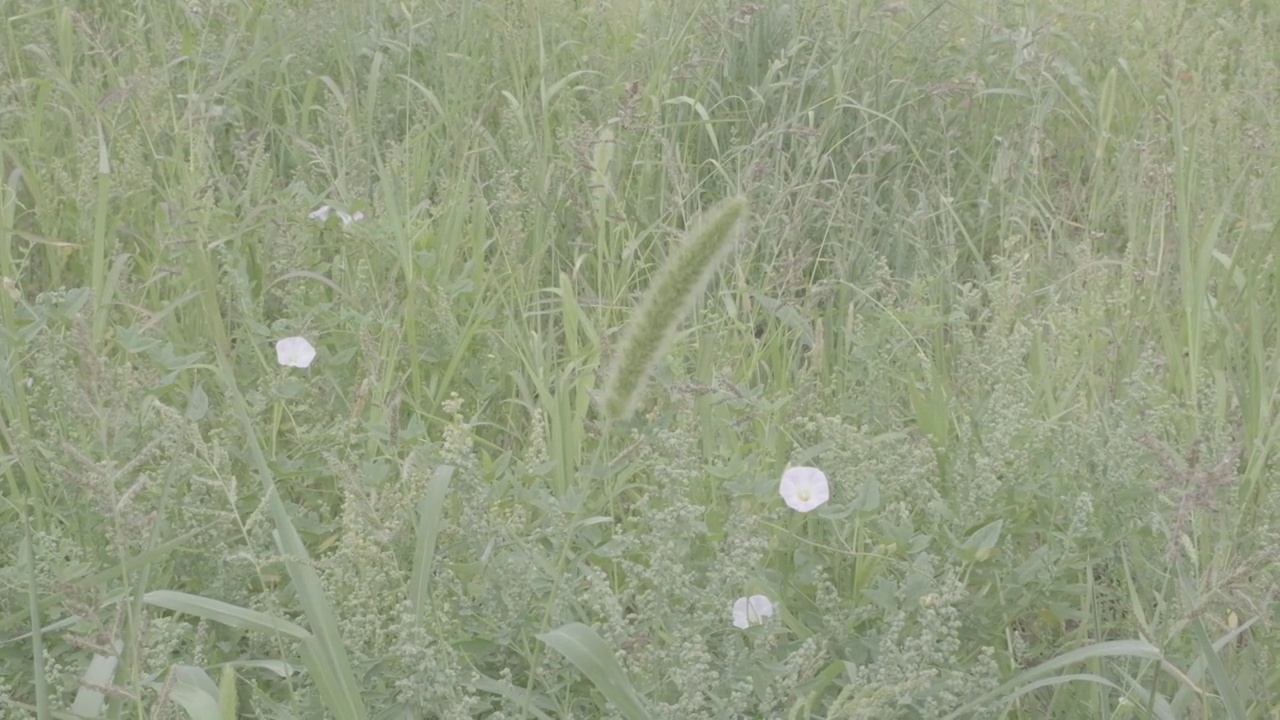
(333, 383)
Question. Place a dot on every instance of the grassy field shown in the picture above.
(1007, 275)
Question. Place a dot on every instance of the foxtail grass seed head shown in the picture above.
(682, 279)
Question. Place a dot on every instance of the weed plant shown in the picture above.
(1005, 273)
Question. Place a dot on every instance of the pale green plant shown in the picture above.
(684, 276)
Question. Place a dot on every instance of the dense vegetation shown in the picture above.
(1005, 274)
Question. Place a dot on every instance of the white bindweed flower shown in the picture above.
(322, 214)
(804, 488)
(295, 352)
(748, 611)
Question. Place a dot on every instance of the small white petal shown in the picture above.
(322, 214)
(748, 611)
(804, 488)
(295, 352)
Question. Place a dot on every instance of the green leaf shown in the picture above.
(133, 340)
(586, 650)
(197, 404)
(1218, 671)
(430, 509)
(323, 653)
(1140, 649)
(788, 315)
(89, 702)
(529, 702)
(290, 388)
(195, 692)
(278, 667)
(868, 496)
(982, 542)
(225, 613)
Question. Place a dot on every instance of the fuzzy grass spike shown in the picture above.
(682, 279)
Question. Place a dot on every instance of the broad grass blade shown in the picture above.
(529, 702)
(195, 692)
(1114, 648)
(89, 700)
(430, 510)
(1190, 688)
(586, 650)
(323, 652)
(225, 613)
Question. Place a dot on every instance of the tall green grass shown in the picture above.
(1008, 277)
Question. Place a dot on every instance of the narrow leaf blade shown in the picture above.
(581, 646)
(430, 510)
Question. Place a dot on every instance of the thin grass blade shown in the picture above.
(1221, 678)
(323, 653)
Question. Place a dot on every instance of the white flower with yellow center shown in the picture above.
(804, 488)
(749, 611)
(295, 352)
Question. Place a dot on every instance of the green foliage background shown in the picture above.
(1009, 277)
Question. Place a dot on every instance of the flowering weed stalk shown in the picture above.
(669, 300)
